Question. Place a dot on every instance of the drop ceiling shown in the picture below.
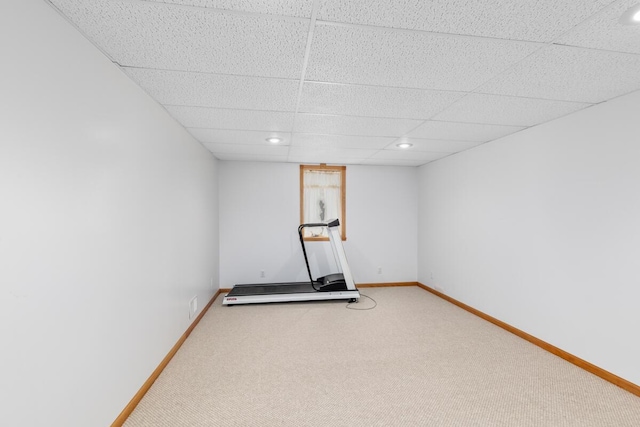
(343, 82)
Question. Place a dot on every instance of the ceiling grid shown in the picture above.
(345, 82)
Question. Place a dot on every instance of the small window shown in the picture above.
(322, 198)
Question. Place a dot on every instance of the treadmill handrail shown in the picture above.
(332, 223)
(304, 249)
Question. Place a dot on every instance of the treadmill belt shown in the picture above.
(271, 289)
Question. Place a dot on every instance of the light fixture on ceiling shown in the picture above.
(631, 16)
(274, 140)
(404, 145)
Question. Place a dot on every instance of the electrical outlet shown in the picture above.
(193, 306)
(262, 274)
(379, 270)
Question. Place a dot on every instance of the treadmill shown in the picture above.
(337, 286)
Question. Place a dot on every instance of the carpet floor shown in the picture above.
(413, 360)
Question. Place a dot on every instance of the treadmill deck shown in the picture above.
(271, 288)
(283, 292)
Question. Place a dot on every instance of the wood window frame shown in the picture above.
(343, 197)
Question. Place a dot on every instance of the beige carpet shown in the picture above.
(414, 360)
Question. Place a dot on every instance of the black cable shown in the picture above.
(366, 296)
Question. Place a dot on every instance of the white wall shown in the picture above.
(541, 230)
(108, 226)
(260, 214)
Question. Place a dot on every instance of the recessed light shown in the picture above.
(274, 140)
(404, 145)
(631, 16)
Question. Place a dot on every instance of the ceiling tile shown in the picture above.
(374, 101)
(507, 110)
(328, 158)
(541, 20)
(350, 125)
(385, 57)
(327, 154)
(263, 149)
(242, 157)
(238, 136)
(300, 8)
(570, 74)
(217, 118)
(296, 150)
(462, 131)
(216, 90)
(340, 141)
(435, 145)
(315, 159)
(409, 155)
(603, 31)
(163, 36)
(394, 162)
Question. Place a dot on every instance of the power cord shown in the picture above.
(375, 304)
